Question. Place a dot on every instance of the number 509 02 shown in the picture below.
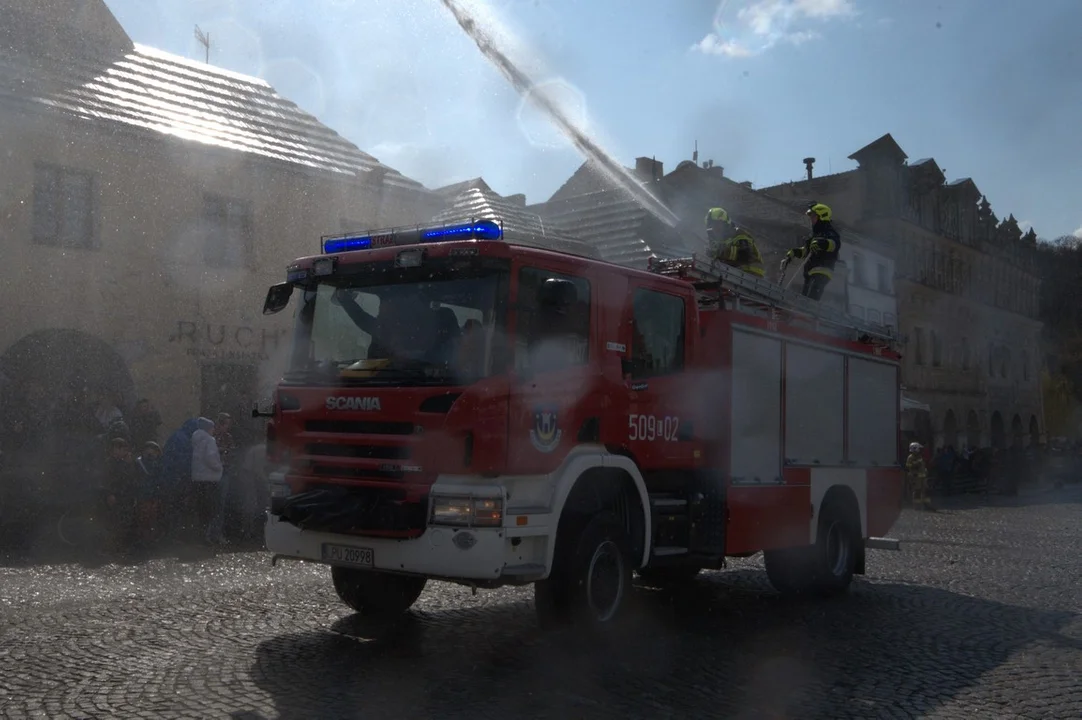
(652, 427)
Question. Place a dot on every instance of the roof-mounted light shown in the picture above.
(476, 230)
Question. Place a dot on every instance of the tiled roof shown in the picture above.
(615, 224)
(455, 189)
(585, 180)
(156, 91)
(519, 224)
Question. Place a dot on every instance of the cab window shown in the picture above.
(657, 339)
(553, 320)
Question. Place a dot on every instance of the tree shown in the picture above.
(1060, 265)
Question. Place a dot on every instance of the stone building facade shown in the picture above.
(967, 286)
(146, 203)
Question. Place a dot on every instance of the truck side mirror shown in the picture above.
(277, 298)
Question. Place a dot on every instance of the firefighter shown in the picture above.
(732, 245)
(820, 249)
(917, 475)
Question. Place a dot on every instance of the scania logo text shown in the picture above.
(343, 402)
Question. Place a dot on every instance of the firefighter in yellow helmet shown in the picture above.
(821, 250)
(917, 475)
(732, 245)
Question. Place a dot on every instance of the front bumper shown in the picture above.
(483, 555)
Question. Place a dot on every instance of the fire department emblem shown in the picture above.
(546, 431)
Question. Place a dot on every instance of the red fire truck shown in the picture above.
(462, 408)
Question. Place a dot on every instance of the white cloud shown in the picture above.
(1077, 233)
(1025, 225)
(743, 28)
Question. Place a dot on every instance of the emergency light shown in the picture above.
(476, 230)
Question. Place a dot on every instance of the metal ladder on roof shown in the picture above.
(718, 283)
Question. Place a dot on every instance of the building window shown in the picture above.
(657, 339)
(859, 278)
(873, 316)
(965, 353)
(890, 320)
(63, 207)
(228, 224)
(883, 277)
(856, 311)
(937, 349)
(1025, 366)
(918, 349)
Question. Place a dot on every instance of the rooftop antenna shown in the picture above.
(695, 155)
(204, 40)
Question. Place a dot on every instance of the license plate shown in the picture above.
(346, 555)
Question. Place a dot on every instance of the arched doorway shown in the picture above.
(1018, 434)
(999, 434)
(48, 376)
(922, 426)
(973, 430)
(950, 430)
(1034, 431)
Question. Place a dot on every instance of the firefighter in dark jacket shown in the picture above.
(821, 251)
(732, 245)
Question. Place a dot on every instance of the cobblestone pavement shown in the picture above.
(976, 617)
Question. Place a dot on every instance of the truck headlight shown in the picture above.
(464, 511)
(277, 486)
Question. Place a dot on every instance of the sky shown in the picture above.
(992, 89)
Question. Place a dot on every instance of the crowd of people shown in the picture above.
(179, 492)
(1000, 470)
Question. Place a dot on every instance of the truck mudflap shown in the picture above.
(469, 554)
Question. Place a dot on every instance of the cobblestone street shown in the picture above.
(976, 617)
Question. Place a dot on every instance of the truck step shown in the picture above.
(669, 550)
(668, 502)
(882, 544)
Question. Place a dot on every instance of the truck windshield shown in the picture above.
(400, 327)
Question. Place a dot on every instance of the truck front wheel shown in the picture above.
(590, 579)
(371, 593)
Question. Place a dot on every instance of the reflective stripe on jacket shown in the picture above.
(822, 262)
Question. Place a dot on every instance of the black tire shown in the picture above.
(372, 593)
(825, 568)
(835, 557)
(788, 569)
(668, 577)
(590, 579)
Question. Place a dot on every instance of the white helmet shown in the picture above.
(914, 447)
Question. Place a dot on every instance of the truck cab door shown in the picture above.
(660, 398)
(554, 316)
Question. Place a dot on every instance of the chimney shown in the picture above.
(808, 162)
(648, 169)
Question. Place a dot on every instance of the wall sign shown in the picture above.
(217, 341)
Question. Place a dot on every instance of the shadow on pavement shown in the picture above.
(727, 647)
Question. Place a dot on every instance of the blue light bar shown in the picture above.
(347, 244)
(477, 230)
(480, 230)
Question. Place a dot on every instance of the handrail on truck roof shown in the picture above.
(717, 282)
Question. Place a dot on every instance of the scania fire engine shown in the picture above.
(462, 408)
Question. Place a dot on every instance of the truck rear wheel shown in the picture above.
(371, 593)
(825, 568)
(590, 579)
